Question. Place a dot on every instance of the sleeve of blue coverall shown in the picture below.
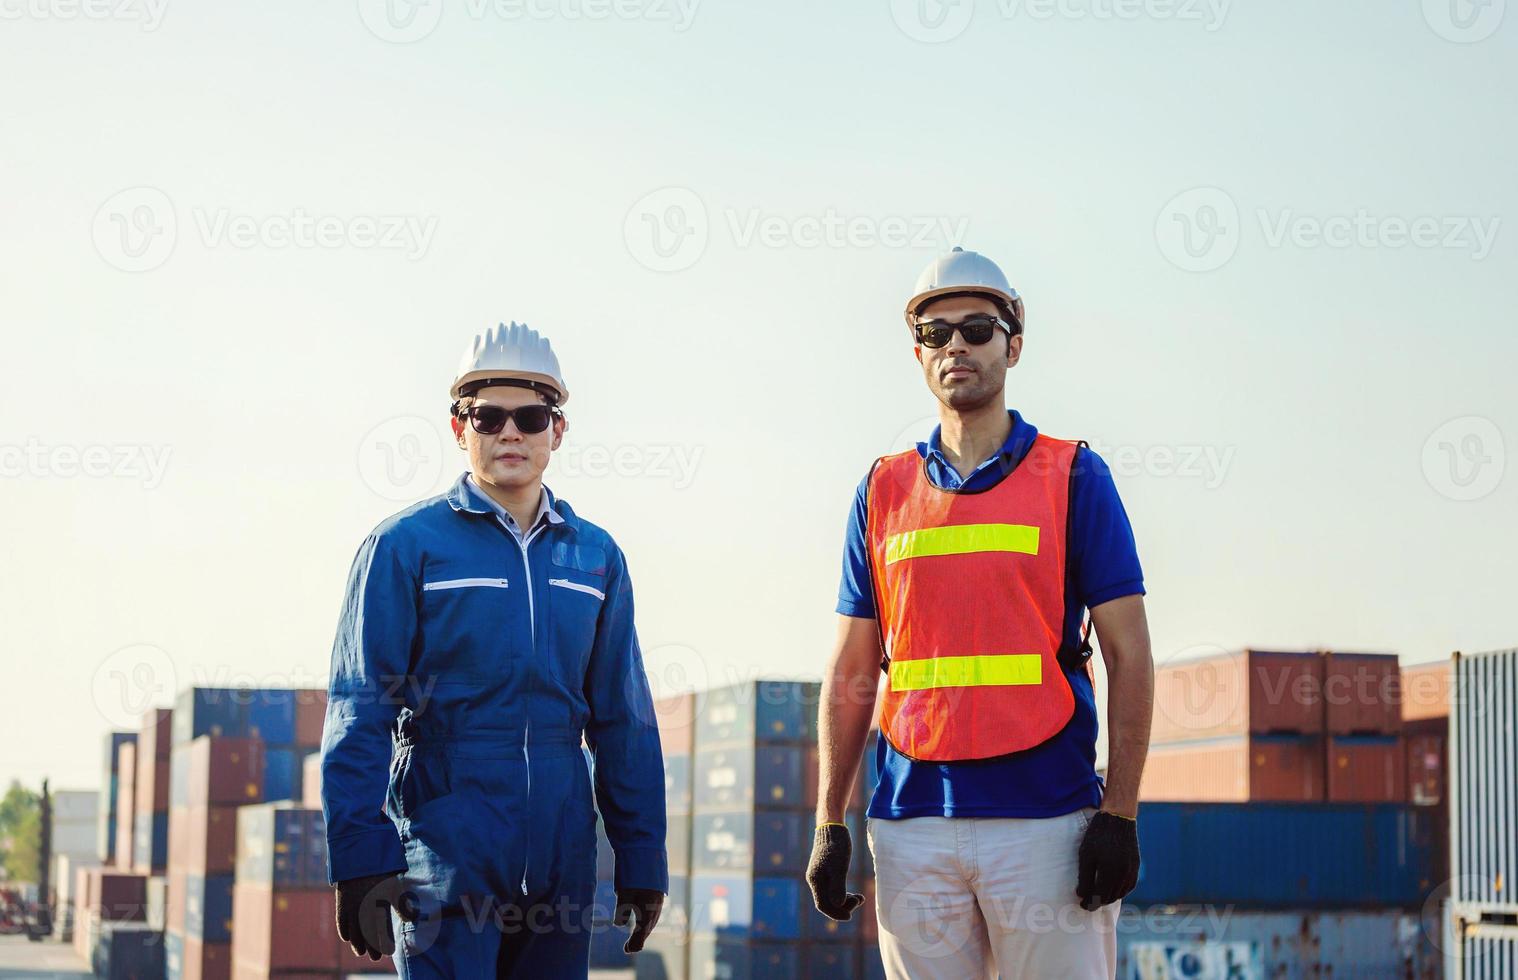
(624, 737)
(372, 650)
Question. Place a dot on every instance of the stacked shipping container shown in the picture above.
(747, 810)
(1285, 727)
(126, 804)
(150, 831)
(230, 748)
(1482, 913)
(110, 794)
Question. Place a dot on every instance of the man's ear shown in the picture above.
(917, 352)
(1014, 350)
(458, 430)
(560, 423)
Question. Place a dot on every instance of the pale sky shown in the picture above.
(1264, 249)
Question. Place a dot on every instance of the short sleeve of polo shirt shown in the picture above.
(1103, 560)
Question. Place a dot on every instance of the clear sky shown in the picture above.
(1264, 248)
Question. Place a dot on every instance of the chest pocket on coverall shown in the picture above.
(577, 590)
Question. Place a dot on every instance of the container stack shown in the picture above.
(1482, 912)
(150, 845)
(110, 793)
(665, 950)
(1265, 726)
(126, 804)
(1242, 727)
(282, 907)
(103, 899)
(1364, 760)
(752, 823)
(230, 748)
(1425, 731)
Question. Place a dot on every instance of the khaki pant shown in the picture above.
(968, 898)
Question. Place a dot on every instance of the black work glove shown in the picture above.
(642, 906)
(828, 870)
(1109, 860)
(363, 913)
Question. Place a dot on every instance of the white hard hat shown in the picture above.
(515, 354)
(965, 272)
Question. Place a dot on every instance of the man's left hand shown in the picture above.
(1109, 860)
(642, 906)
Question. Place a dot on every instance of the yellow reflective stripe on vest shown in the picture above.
(982, 671)
(961, 539)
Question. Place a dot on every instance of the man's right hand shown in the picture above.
(828, 870)
(363, 913)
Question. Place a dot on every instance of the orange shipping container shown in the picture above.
(1425, 691)
(126, 803)
(1366, 769)
(1255, 691)
(1362, 693)
(1242, 768)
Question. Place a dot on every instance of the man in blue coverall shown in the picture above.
(484, 632)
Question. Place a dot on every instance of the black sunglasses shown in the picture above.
(490, 419)
(975, 329)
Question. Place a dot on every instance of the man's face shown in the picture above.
(961, 375)
(509, 459)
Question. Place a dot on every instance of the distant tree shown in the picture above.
(20, 833)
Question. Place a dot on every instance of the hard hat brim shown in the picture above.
(1011, 302)
(471, 382)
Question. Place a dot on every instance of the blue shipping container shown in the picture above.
(765, 842)
(728, 959)
(129, 952)
(271, 716)
(1286, 855)
(210, 711)
(150, 840)
(743, 907)
(762, 711)
(173, 956)
(208, 908)
(750, 776)
(282, 772)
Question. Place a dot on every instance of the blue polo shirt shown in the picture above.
(1058, 776)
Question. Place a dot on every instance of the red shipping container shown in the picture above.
(126, 803)
(1425, 692)
(179, 839)
(225, 769)
(311, 781)
(1243, 768)
(282, 929)
(117, 896)
(211, 837)
(1362, 694)
(1254, 691)
(176, 891)
(206, 961)
(1366, 769)
(1427, 761)
(310, 715)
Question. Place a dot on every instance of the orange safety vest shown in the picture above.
(970, 597)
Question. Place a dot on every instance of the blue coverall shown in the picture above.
(467, 666)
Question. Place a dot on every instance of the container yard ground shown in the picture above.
(21, 958)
